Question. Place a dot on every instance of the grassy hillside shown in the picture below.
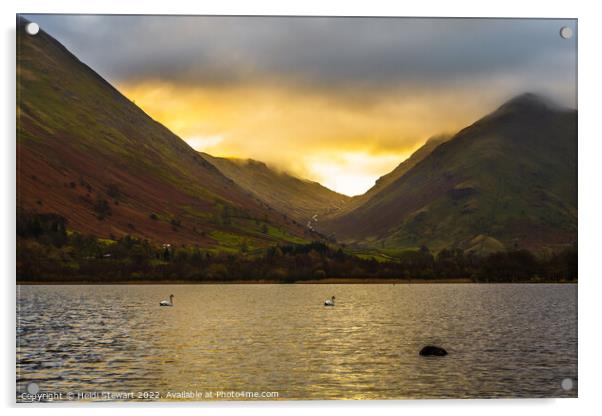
(297, 198)
(507, 181)
(87, 153)
(407, 164)
(384, 181)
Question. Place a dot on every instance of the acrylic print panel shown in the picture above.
(295, 208)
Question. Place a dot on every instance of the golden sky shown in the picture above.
(338, 100)
(343, 142)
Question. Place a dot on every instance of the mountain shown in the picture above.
(297, 198)
(87, 153)
(507, 181)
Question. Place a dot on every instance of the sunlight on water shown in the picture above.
(503, 340)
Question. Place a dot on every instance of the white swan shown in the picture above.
(167, 302)
(329, 302)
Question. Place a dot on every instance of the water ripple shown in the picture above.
(503, 340)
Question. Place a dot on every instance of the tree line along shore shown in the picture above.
(48, 253)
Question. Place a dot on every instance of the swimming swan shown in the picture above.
(329, 302)
(167, 302)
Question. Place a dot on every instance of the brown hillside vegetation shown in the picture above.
(87, 153)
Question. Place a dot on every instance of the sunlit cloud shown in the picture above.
(355, 136)
(328, 138)
(351, 173)
(204, 144)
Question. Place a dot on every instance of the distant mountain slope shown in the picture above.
(297, 198)
(509, 179)
(88, 153)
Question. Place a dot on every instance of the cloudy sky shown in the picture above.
(338, 100)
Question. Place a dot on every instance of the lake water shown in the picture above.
(503, 341)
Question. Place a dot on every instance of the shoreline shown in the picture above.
(348, 281)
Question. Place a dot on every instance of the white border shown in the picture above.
(590, 207)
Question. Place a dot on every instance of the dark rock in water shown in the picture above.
(431, 350)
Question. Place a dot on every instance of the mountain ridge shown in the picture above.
(523, 153)
(385, 180)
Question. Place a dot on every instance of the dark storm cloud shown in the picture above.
(320, 52)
